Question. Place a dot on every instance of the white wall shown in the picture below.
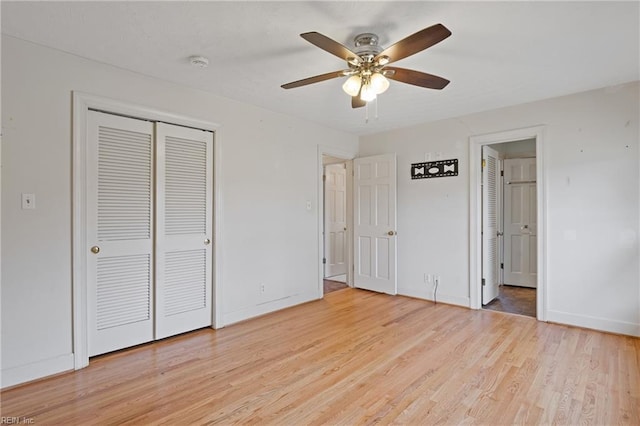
(270, 170)
(591, 163)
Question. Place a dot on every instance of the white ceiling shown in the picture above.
(500, 53)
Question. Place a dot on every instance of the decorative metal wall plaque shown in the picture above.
(433, 169)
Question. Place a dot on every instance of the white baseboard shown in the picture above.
(35, 370)
(594, 323)
(440, 297)
(268, 307)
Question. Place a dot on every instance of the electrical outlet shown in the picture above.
(436, 280)
(262, 288)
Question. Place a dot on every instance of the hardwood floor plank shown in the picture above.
(354, 357)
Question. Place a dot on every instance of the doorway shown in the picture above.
(371, 217)
(481, 263)
(511, 196)
(335, 233)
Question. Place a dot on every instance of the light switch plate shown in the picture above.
(28, 201)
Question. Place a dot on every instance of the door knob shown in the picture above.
(499, 234)
(391, 233)
(524, 227)
(95, 249)
(207, 241)
(345, 228)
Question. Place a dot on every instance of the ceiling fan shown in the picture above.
(368, 68)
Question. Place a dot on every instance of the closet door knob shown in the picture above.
(207, 241)
(95, 249)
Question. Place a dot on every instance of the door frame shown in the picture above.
(475, 212)
(82, 102)
(348, 157)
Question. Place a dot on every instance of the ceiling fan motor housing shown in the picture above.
(367, 46)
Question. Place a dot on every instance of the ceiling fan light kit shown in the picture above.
(379, 83)
(352, 85)
(367, 72)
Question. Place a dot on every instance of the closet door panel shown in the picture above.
(119, 245)
(184, 179)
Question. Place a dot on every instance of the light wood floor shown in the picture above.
(354, 357)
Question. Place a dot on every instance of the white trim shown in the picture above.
(346, 155)
(79, 235)
(0, 199)
(594, 323)
(217, 320)
(475, 209)
(268, 307)
(426, 294)
(82, 102)
(36, 370)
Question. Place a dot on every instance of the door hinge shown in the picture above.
(483, 282)
(324, 178)
(484, 163)
(324, 260)
(501, 172)
(502, 266)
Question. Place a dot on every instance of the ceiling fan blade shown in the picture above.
(415, 43)
(314, 79)
(331, 46)
(416, 78)
(356, 102)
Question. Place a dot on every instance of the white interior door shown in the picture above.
(490, 259)
(335, 229)
(520, 222)
(119, 245)
(375, 223)
(183, 229)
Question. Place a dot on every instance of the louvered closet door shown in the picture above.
(490, 225)
(184, 229)
(119, 232)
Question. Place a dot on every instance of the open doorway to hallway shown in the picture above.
(509, 223)
(335, 259)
